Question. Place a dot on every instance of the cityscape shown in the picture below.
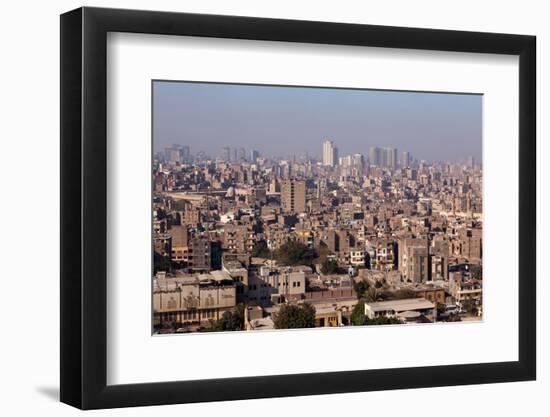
(244, 240)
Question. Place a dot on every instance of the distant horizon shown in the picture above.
(281, 121)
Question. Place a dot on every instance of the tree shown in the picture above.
(295, 316)
(161, 263)
(373, 295)
(322, 252)
(230, 321)
(260, 249)
(329, 266)
(470, 307)
(383, 320)
(476, 272)
(294, 253)
(402, 294)
(361, 287)
(358, 317)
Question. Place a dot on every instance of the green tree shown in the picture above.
(476, 272)
(373, 294)
(361, 287)
(295, 316)
(230, 321)
(161, 263)
(322, 252)
(358, 317)
(470, 307)
(294, 253)
(402, 294)
(383, 320)
(329, 266)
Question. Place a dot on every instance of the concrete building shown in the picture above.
(186, 213)
(293, 196)
(327, 316)
(173, 153)
(431, 293)
(192, 253)
(192, 299)
(462, 287)
(375, 156)
(357, 257)
(238, 238)
(330, 153)
(405, 159)
(185, 154)
(389, 157)
(383, 157)
(239, 274)
(394, 308)
(226, 154)
(254, 155)
(414, 260)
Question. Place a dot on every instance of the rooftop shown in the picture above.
(401, 305)
(171, 283)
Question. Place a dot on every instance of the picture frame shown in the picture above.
(84, 208)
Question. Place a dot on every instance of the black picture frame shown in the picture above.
(84, 207)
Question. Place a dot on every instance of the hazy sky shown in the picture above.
(281, 121)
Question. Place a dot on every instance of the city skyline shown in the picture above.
(283, 121)
(386, 157)
(248, 235)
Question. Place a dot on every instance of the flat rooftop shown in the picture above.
(407, 304)
(218, 275)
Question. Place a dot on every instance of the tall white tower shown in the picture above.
(329, 153)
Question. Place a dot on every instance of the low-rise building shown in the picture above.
(394, 308)
(463, 288)
(328, 316)
(431, 293)
(192, 299)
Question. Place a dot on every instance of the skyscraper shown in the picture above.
(330, 153)
(357, 160)
(383, 157)
(226, 153)
(375, 156)
(394, 160)
(241, 155)
(173, 153)
(405, 159)
(293, 196)
(254, 155)
(389, 157)
(345, 161)
(185, 154)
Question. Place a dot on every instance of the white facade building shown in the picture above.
(330, 153)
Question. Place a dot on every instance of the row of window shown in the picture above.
(189, 315)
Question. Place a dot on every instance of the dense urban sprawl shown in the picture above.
(247, 242)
